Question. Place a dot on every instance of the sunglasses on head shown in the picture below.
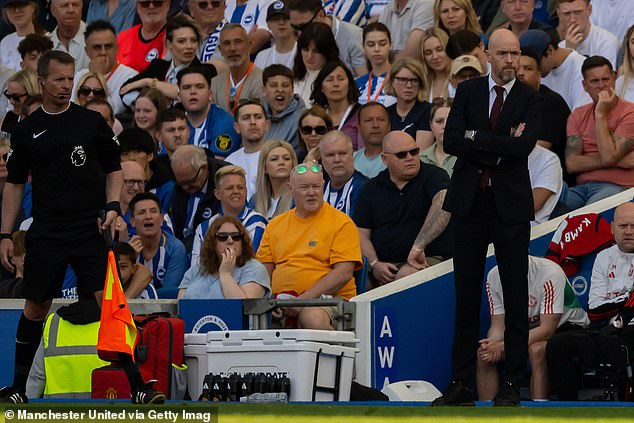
(147, 3)
(402, 154)
(319, 130)
(223, 236)
(302, 168)
(206, 4)
(86, 91)
(14, 97)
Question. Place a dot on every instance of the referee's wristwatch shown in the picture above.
(5, 236)
(470, 134)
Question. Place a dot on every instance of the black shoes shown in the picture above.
(457, 394)
(507, 396)
(10, 395)
(147, 395)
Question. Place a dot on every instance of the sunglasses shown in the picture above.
(299, 28)
(223, 236)
(131, 182)
(14, 97)
(147, 3)
(5, 156)
(302, 168)
(205, 4)
(402, 154)
(86, 91)
(319, 130)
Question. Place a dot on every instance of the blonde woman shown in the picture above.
(625, 82)
(91, 86)
(455, 15)
(272, 196)
(20, 86)
(436, 63)
(410, 113)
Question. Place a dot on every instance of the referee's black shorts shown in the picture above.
(52, 246)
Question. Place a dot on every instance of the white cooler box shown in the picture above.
(318, 363)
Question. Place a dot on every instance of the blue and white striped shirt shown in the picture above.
(251, 13)
(353, 11)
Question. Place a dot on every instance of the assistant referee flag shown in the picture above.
(117, 332)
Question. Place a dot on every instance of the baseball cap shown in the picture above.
(536, 40)
(465, 61)
(6, 3)
(277, 8)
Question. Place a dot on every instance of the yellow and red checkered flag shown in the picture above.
(117, 332)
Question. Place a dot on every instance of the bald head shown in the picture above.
(189, 165)
(132, 170)
(504, 56)
(134, 181)
(623, 227)
(397, 137)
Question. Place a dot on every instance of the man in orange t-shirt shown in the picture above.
(311, 250)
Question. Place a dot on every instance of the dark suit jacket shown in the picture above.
(496, 149)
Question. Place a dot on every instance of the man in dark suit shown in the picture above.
(492, 128)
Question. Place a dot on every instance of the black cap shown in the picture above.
(277, 8)
(7, 3)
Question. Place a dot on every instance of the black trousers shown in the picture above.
(471, 236)
(567, 353)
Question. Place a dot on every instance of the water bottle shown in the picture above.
(268, 398)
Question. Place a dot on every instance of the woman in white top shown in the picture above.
(23, 15)
(625, 82)
(272, 194)
(436, 64)
(315, 47)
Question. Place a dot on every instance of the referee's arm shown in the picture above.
(114, 185)
(11, 204)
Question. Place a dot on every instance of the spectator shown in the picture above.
(347, 36)
(250, 15)
(374, 124)
(609, 309)
(544, 169)
(135, 278)
(31, 48)
(314, 123)
(283, 107)
(344, 182)
(282, 52)
(560, 67)
(552, 134)
(210, 127)
(158, 250)
(468, 43)
(377, 44)
(319, 258)
(243, 80)
(336, 91)
(23, 15)
(210, 17)
(90, 86)
(456, 15)
(103, 107)
(272, 196)
(147, 108)
(410, 113)
(68, 36)
(172, 132)
(624, 85)
(192, 200)
(142, 43)
(552, 308)
(348, 11)
(436, 64)
(120, 13)
(182, 38)
(138, 145)
(102, 48)
(436, 154)
(464, 68)
(399, 213)
(252, 125)
(20, 85)
(316, 46)
(580, 35)
(614, 15)
(520, 17)
(231, 191)
(600, 139)
(227, 267)
(407, 19)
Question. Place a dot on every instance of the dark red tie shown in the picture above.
(485, 176)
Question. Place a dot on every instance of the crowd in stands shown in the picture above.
(275, 147)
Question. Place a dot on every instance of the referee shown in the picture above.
(73, 159)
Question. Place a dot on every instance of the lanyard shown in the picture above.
(112, 71)
(345, 116)
(233, 104)
(378, 93)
